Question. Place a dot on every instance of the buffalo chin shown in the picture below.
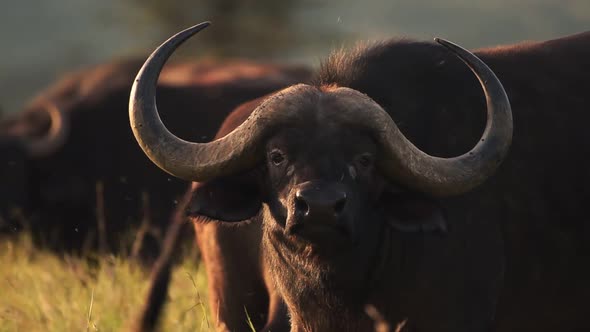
(330, 262)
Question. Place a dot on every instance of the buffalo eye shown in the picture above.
(365, 160)
(277, 157)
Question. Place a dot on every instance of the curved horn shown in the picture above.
(402, 161)
(201, 161)
(56, 135)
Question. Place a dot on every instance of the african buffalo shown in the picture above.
(69, 158)
(336, 210)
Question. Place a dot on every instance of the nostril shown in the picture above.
(301, 206)
(339, 206)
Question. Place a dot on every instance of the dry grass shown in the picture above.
(42, 292)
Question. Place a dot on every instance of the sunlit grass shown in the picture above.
(42, 292)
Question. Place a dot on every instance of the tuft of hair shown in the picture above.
(390, 71)
(345, 66)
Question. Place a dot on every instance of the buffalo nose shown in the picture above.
(324, 205)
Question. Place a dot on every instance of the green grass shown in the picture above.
(42, 292)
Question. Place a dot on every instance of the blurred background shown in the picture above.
(80, 183)
(43, 39)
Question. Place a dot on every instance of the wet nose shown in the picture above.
(322, 204)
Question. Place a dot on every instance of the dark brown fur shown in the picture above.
(515, 257)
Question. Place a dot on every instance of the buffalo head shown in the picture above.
(19, 147)
(327, 169)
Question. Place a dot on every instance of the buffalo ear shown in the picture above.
(411, 212)
(225, 199)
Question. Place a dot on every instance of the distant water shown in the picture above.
(42, 39)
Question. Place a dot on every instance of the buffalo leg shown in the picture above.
(236, 285)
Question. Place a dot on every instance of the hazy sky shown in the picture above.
(43, 39)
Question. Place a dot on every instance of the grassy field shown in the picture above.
(42, 292)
